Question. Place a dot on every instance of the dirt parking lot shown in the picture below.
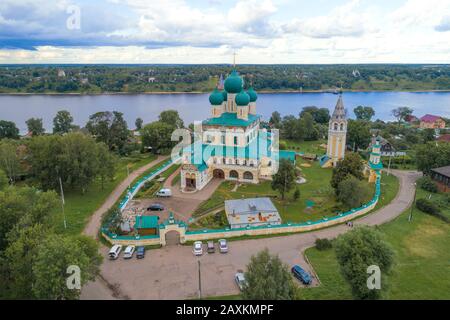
(181, 204)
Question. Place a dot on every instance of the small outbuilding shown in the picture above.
(146, 225)
(442, 177)
(251, 212)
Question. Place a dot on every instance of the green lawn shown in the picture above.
(305, 146)
(422, 266)
(79, 207)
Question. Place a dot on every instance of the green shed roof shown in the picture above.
(146, 222)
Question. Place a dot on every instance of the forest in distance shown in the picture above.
(96, 79)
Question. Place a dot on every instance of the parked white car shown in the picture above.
(198, 248)
(166, 192)
(240, 279)
(115, 251)
(128, 253)
(223, 246)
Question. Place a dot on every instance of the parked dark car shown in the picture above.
(211, 247)
(140, 252)
(155, 207)
(301, 274)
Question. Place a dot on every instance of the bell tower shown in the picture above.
(337, 133)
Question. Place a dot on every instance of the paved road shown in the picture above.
(94, 223)
(172, 272)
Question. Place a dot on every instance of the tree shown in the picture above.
(109, 128)
(275, 120)
(356, 251)
(353, 192)
(320, 115)
(432, 155)
(157, 135)
(138, 123)
(351, 165)
(364, 113)
(171, 117)
(268, 279)
(9, 161)
(3, 180)
(358, 133)
(24, 206)
(401, 113)
(307, 124)
(8, 129)
(20, 257)
(108, 163)
(73, 157)
(428, 135)
(284, 180)
(62, 122)
(296, 194)
(54, 256)
(35, 126)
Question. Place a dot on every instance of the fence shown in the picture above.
(207, 234)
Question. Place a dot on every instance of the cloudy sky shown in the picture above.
(209, 31)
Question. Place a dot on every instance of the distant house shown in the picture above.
(387, 149)
(411, 119)
(430, 121)
(442, 177)
(151, 79)
(251, 212)
(61, 73)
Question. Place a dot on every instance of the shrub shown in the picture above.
(429, 207)
(426, 206)
(427, 184)
(323, 244)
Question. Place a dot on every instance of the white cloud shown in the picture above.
(444, 24)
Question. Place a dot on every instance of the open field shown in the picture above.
(421, 270)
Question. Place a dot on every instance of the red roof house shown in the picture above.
(430, 121)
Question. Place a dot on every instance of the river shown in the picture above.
(19, 108)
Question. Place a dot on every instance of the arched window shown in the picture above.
(342, 127)
(234, 174)
(335, 126)
(248, 175)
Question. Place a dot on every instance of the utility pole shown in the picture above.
(199, 281)
(62, 202)
(128, 175)
(389, 165)
(413, 203)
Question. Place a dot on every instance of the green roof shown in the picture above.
(287, 154)
(230, 119)
(146, 222)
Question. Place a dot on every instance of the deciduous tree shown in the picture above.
(284, 180)
(35, 126)
(356, 251)
(62, 122)
(268, 279)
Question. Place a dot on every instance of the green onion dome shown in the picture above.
(216, 98)
(234, 83)
(242, 99)
(225, 95)
(252, 94)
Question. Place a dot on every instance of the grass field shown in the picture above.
(422, 261)
(79, 207)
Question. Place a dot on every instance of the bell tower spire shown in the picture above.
(337, 133)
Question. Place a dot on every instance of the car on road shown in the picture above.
(164, 193)
(140, 252)
(114, 251)
(223, 246)
(239, 278)
(301, 274)
(198, 248)
(211, 248)
(128, 253)
(155, 207)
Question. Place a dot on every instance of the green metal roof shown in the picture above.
(287, 154)
(146, 222)
(378, 166)
(230, 119)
